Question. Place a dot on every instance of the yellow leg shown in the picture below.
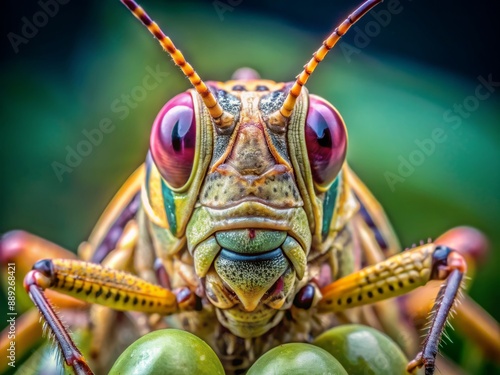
(23, 249)
(95, 283)
(471, 320)
(390, 278)
(399, 275)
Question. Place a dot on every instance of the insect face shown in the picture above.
(243, 234)
(254, 217)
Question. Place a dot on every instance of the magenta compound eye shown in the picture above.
(173, 140)
(326, 140)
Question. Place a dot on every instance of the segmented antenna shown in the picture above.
(208, 98)
(319, 55)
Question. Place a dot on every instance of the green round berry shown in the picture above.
(168, 351)
(297, 359)
(363, 350)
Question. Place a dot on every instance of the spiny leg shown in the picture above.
(34, 285)
(399, 275)
(447, 296)
(471, 320)
(24, 249)
(95, 284)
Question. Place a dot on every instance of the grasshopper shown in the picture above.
(246, 225)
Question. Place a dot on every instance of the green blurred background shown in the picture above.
(392, 92)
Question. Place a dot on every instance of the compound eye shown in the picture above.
(326, 140)
(173, 140)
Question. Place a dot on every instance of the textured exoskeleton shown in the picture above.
(246, 227)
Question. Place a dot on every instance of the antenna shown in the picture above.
(319, 55)
(201, 88)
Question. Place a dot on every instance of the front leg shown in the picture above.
(450, 266)
(95, 283)
(24, 249)
(398, 275)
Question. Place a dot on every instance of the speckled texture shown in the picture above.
(253, 181)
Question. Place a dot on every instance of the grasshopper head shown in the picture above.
(239, 172)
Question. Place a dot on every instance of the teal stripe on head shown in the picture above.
(329, 206)
(169, 204)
